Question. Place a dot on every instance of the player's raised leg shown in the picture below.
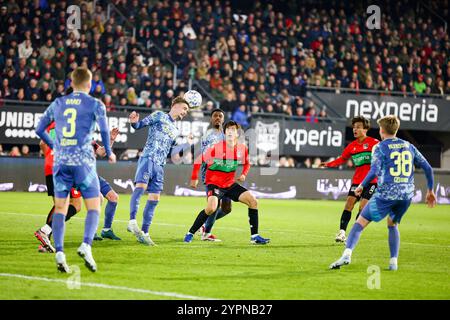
(211, 207)
(249, 199)
(352, 241)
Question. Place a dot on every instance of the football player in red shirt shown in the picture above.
(222, 161)
(360, 151)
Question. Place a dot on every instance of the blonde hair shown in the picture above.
(81, 77)
(390, 124)
(179, 99)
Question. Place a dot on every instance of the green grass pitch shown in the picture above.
(293, 266)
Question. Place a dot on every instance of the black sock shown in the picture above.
(358, 215)
(345, 218)
(71, 212)
(199, 221)
(221, 213)
(50, 216)
(253, 220)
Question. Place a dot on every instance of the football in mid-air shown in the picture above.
(194, 98)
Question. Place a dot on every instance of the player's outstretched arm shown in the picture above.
(134, 119)
(339, 161)
(204, 157)
(138, 124)
(100, 151)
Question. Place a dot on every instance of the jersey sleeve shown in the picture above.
(100, 115)
(342, 159)
(421, 162)
(47, 118)
(147, 121)
(204, 157)
(375, 166)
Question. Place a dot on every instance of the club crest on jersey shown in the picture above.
(365, 146)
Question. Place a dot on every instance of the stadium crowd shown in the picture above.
(261, 61)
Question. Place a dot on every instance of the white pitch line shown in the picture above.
(230, 228)
(106, 286)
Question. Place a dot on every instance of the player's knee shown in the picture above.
(209, 210)
(154, 196)
(349, 205)
(391, 223)
(77, 204)
(226, 207)
(253, 203)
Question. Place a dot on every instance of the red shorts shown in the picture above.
(74, 194)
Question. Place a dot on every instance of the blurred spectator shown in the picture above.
(307, 163)
(15, 152)
(241, 117)
(311, 115)
(25, 151)
(283, 163)
(291, 162)
(316, 163)
(2, 153)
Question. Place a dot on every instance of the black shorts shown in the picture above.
(233, 192)
(367, 192)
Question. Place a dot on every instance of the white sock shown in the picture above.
(347, 252)
(133, 221)
(106, 229)
(46, 229)
(255, 235)
(393, 261)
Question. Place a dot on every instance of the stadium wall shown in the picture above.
(26, 174)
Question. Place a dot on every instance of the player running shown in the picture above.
(212, 136)
(222, 161)
(149, 176)
(393, 161)
(75, 115)
(360, 151)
